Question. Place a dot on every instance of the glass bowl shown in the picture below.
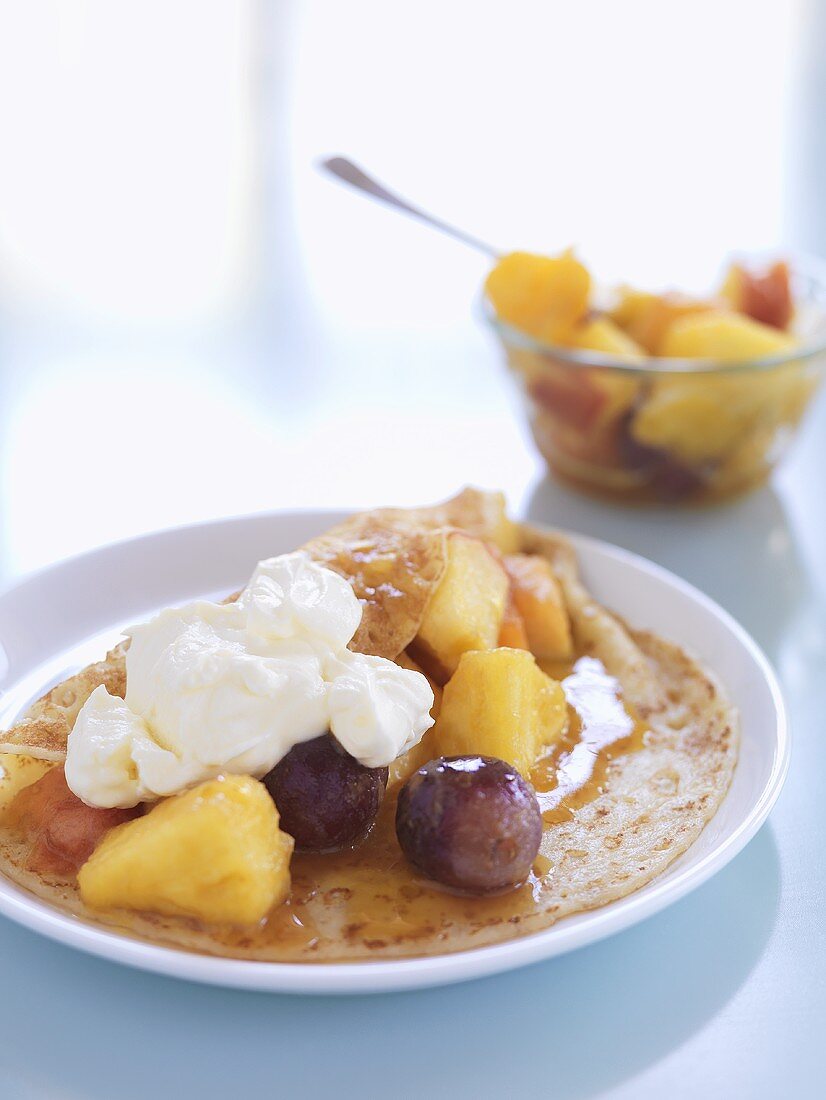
(720, 428)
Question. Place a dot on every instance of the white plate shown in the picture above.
(54, 622)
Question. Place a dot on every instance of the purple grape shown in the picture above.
(325, 798)
(469, 822)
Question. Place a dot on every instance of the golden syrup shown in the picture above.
(600, 728)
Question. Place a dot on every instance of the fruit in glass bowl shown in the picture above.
(661, 397)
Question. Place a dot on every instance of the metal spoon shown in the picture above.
(345, 170)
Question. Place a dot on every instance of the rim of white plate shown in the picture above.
(413, 973)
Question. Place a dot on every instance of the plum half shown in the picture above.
(326, 799)
(469, 822)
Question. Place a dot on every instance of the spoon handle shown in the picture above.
(345, 170)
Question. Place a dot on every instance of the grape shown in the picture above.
(470, 822)
(325, 798)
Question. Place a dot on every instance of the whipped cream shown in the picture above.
(230, 688)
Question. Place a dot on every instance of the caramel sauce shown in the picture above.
(600, 728)
(545, 772)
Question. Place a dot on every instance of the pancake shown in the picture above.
(43, 731)
(655, 793)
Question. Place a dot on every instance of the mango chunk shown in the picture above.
(215, 853)
(500, 703)
(541, 295)
(512, 632)
(602, 334)
(700, 417)
(703, 417)
(725, 337)
(646, 317)
(466, 610)
(539, 601)
(696, 420)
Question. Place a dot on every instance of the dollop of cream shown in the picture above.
(230, 688)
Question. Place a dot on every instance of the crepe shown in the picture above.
(653, 802)
(42, 733)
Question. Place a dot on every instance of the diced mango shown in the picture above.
(725, 337)
(466, 610)
(500, 703)
(612, 391)
(512, 633)
(646, 317)
(602, 334)
(700, 417)
(17, 772)
(215, 853)
(696, 419)
(541, 295)
(540, 603)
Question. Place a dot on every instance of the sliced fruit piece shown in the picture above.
(646, 317)
(466, 610)
(512, 633)
(602, 334)
(500, 703)
(563, 391)
(764, 296)
(585, 399)
(699, 418)
(616, 389)
(215, 853)
(62, 831)
(726, 337)
(541, 295)
(540, 603)
(696, 419)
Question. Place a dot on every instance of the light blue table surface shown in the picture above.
(724, 994)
